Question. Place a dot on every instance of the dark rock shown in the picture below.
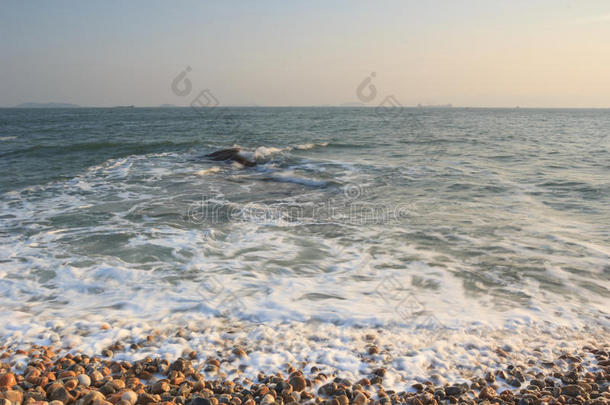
(298, 383)
(439, 393)
(60, 394)
(487, 393)
(328, 389)
(380, 372)
(92, 397)
(455, 390)
(418, 387)
(572, 390)
(377, 380)
(160, 387)
(181, 365)
(199, 401)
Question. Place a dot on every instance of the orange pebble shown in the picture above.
(67, 373)
(71, 384)
(7, 380)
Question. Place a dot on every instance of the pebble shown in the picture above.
(379, 372)
(92, 397)
(129, 396)
(199, 401)
(342, 399)
(84, 380)
(487, 393)
(328, 389)
(268, 400)
(12, 395)
(361, 399)
(60, 394)
(160, 387)
(572, 390)
(7, 380)
(298, 383)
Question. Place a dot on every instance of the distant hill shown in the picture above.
(47, 105)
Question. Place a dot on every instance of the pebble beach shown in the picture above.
(47, 375)
(212, 362)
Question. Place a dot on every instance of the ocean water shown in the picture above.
(426, 226)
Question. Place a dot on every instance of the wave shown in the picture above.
(262, 153)
(7, 138)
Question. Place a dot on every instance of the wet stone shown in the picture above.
(298, 383)
(199, 401)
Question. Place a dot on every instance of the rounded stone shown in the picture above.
(84, 380)
(60, 394)
(298, 383)
(129, 396)
(361, 399)
(12, 395)
(342, 399)
(92, 397)
(268, 400)
(160, 387)
(7, 380)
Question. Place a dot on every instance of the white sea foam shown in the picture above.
(263, 153)
(307, 146)
(409, 354)
(7, 138)
(119, 244)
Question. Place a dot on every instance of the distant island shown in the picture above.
(47, 105)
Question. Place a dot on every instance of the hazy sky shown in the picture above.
(530, 53)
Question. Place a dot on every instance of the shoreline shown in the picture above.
(582, 377)
(218, 362)
(409, 355)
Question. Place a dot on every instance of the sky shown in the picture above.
(478, 53)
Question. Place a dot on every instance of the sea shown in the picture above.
(438, 234)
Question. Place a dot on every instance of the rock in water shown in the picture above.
(231, 154)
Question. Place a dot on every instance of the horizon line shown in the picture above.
(415, 107)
